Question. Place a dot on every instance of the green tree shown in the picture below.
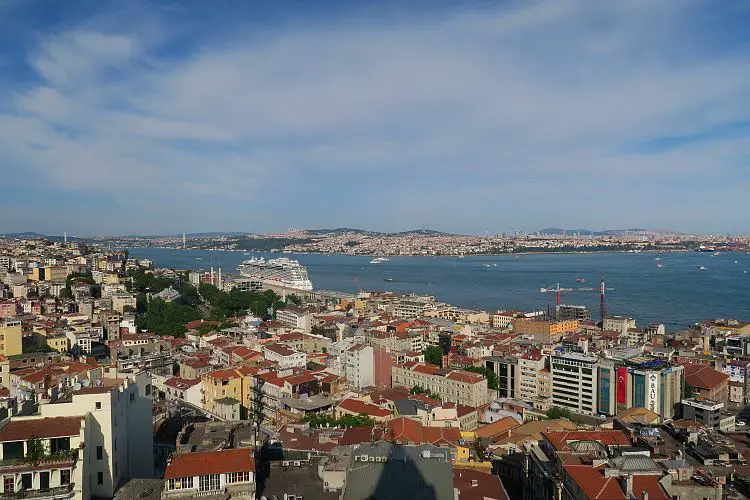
(558, 412)
(434, 355)
(34, 450)
(418, 389)
(294, 299)
(66, 293)
(492, 382)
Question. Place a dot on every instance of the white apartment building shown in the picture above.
(295, 317)
(359, 367)
(119, 441)
(618, 324)
(122, 300)
(574, 381)
(285, 356)
(80, 342)
(411, 309)
(529, 366)
(468, 389)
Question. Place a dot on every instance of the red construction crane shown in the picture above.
(558, 290)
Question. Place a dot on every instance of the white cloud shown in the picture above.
(475, 103)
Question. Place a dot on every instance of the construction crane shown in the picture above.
(557, 289)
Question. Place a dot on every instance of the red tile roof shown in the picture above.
(499, 428)
(649, 484)
(703, 377)
(461, 376)
(280, 349)
(476, 485)
(210, 462)
(406, 430)
(43, 428)
(356, 406)
(182, 383)
(593, 483)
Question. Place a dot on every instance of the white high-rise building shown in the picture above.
(359, 367)
(574, 381)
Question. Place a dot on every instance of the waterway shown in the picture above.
(677, 294)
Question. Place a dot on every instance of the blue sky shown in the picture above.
(147, 117)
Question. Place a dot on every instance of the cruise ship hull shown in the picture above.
(282, 272)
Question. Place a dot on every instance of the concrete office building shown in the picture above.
(574, 381)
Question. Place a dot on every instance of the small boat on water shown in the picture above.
(658, 258)
(736, 262)
(387, 279)
(379, 260)
(701, 268)
(199, 258)
(658, 266)
(581, 280)
(715, 254)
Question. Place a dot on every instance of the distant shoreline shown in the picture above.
(382, 254)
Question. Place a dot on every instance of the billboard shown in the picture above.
(622, 385)
(652, 396)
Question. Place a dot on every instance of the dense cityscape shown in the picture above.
(428, 242)
(259, 385)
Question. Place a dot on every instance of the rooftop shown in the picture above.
(202, 463)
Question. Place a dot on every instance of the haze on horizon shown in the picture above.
(153, 117)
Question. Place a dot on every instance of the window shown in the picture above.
(99, 452)
(115, 444)
(99, 478)
(238, 477)
(9, 482)
(209, 483)
(65, 476)
(180, 483)
(98, 405)
(148, 389)
(132, 397)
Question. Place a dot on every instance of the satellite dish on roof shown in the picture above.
(83, 383)
(77, 387)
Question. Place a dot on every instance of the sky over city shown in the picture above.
(163, 116)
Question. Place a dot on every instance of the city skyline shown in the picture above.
(163, 117)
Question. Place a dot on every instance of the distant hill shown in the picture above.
(339, 231)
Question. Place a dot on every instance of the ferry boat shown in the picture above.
(280, 272)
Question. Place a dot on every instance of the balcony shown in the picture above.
(59, 493)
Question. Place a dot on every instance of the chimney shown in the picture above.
(628, 486)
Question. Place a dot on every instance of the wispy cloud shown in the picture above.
(474, 119)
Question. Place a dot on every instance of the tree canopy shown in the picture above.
(235, 302)
(491, 376)
(418, 389)
(434, 355)
(167, 318)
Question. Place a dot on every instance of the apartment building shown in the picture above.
(506, 369)
(411, 309)
(236, 383)
(456, 386)
(55, 274)
(618, 324)
(122, 300)
(117, 411)
(574, 381)
(530, 364)
(11, 338)
(359, 366)
(544, 331)
(284, 356)
(226, 474)
(295, 317)
(58, 445)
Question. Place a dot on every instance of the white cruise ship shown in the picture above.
(279, 272)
